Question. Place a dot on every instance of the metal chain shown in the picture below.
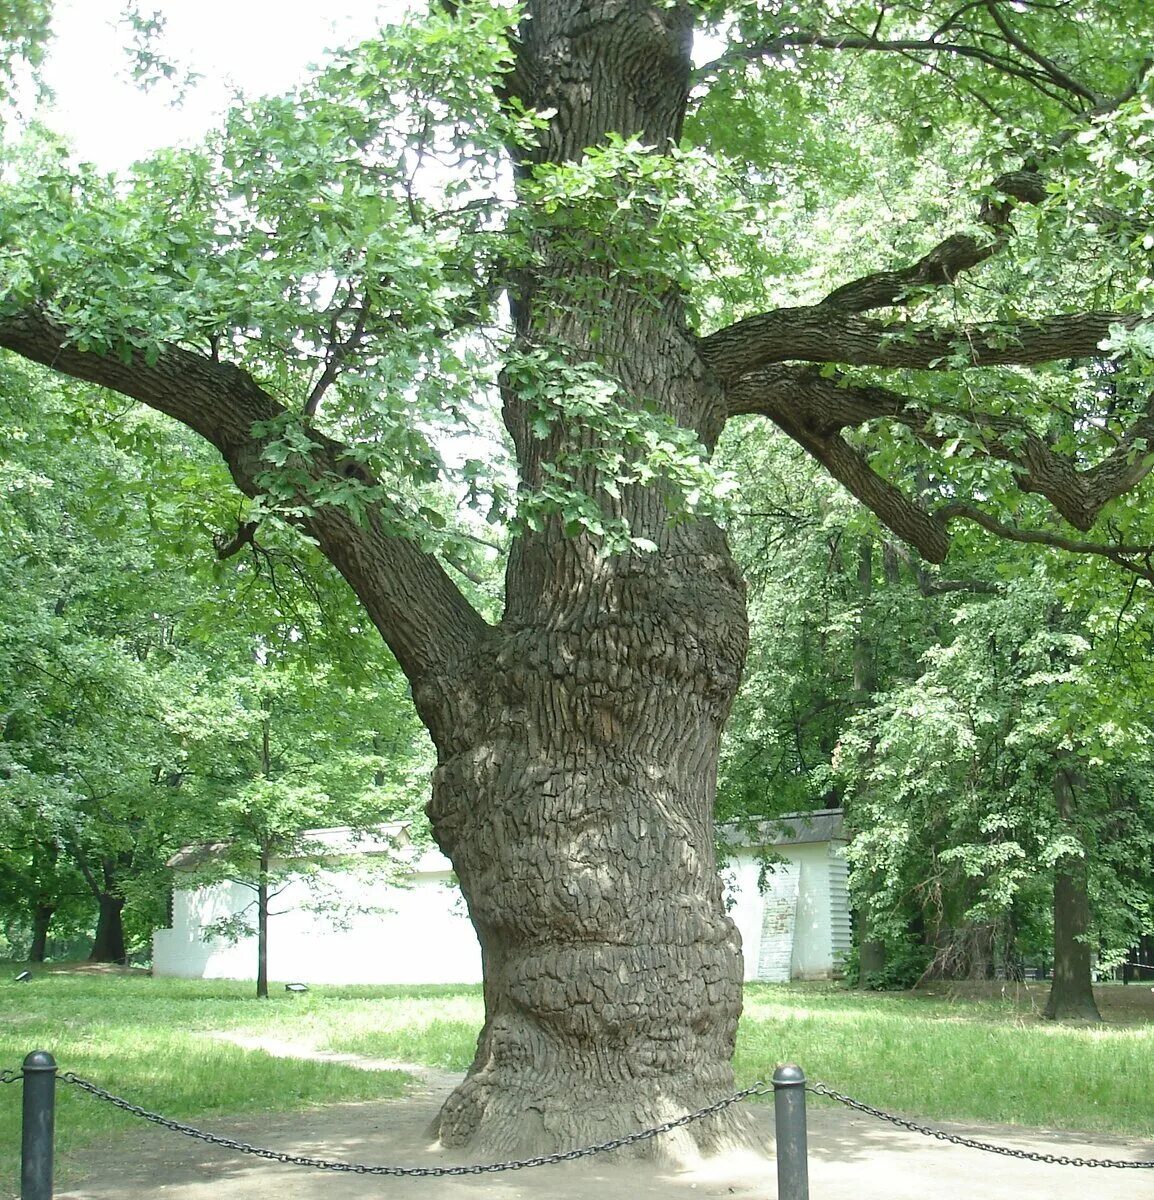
(11, 1076)
(301, 1160)
(1062, 1160)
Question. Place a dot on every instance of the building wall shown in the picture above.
(840, 928)
(797, 929)
(415, 934)
(814, 874)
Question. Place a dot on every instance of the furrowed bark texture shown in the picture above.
(579, 816)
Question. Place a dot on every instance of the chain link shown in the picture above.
(302, 1160)
(1061, 1160)
(541, 1160)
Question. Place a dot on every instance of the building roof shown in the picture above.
(793, 829)
(340, 840)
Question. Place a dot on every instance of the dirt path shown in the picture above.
(851, 1158)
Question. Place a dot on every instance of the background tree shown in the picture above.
(289, 768)
(129, 675)
(296, 297)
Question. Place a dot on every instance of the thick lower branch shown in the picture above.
(823, 334)
(826, 405)
(422, 615)
(813, 411)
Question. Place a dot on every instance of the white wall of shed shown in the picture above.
(821, 920)
(420, 934)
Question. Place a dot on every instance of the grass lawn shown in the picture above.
(947, 1056)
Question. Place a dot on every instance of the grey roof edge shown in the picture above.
(792, 829)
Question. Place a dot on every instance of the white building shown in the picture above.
(792, 914)
(793, 919)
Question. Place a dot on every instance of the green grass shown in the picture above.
(152, 1042)
(950, 1058)
(157, 1043)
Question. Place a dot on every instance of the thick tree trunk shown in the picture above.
(576, 799)
(41, 920)
(108, 941)
(1071, 990)
(579, 824)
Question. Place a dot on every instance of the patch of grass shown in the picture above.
(152, 1042)
(948, 1058)
(159, 1044)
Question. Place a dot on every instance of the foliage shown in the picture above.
(911, 236)
(954, 774)
(906, 961)
(134, 706)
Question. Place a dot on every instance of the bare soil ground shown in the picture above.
(851, 1158)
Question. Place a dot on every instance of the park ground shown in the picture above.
(366, 1074)
(852, 1157)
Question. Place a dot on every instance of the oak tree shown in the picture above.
(558, 213)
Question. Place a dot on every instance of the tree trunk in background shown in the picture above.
(1071, 990)
(1139, 961)
(872, 954)
(108, 942)
(262, 902)
(41, 920)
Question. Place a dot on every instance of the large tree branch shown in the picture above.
(1138, 560)
(1004, 62)
(812, 411)
(1053, 71)
(821, 333)
(422, 615)
(947, 260)
(825, 406)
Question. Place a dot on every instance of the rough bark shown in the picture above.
(1072, 989)
(823, 333)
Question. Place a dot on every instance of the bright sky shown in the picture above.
(257, 45)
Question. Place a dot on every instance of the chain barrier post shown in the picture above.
(790, 1132)
(39, 1128)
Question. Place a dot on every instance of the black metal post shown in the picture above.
(790, 1133)
(39, 1126)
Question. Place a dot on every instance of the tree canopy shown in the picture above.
(913, 236)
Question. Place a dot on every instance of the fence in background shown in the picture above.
(39, 1075)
